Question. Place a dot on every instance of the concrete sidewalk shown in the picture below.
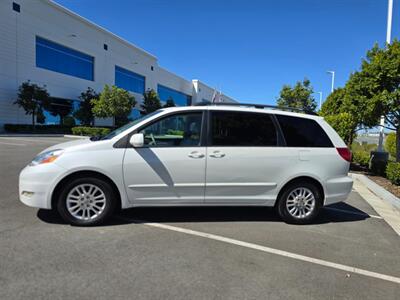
(385, 203)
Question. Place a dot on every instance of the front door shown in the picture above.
(244, 162)
(170, 168)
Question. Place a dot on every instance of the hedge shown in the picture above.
(393, 172)
(90, 131)
(390, 144)
(25, 128)
(361, 158)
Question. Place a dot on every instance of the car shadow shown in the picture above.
(337, 213)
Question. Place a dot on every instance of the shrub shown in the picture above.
(24, 128)
(390, 144)
(90, 131)
(175, 132)
(393, 172)
(361, 158)
(363, 147)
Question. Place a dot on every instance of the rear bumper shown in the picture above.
(36, 184)
(337, 189)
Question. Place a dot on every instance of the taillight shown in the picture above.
(345, 153)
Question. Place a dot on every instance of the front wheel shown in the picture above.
(86, 201)
(300, 203)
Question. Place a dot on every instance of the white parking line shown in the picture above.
(13, 144)
(353, 212)
(32, 140)
(271, 251)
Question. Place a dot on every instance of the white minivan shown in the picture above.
(210, 155)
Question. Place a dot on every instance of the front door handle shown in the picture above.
(196, 154)
(217, 154)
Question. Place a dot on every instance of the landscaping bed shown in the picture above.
(386, 184)
(382, 181)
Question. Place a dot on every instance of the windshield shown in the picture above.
(129, 125)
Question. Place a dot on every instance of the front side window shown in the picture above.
(302, 132)
(129, 125)
(61, 59)
(230, 128)
(179, 130)
(129, 80)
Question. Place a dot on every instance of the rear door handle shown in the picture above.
(217, 154)
(196, 154)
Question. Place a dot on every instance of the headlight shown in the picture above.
(46, 157)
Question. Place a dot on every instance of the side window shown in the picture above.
(302, 132)
(179, 130)
(230, 128)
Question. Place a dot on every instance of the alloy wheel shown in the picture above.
(300, 203)
(86, 202)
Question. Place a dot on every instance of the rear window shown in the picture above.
(302, 132)
(230, 128)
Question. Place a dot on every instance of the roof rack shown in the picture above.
(292, 109)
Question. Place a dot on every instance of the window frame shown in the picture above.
(124, 141)
(280, 141)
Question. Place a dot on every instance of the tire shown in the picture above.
(94, 208)
(303, 209)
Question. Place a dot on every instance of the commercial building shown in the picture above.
(50, 45)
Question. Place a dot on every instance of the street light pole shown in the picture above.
(389, 21)
(320, 100)
(333, 79)
(388, 40)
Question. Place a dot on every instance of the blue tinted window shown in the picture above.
(57, 58)
(129, 80)
(135, 114)
(179, 98)
(57, 110)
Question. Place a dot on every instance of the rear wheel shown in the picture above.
(300, 203)
(86, 201)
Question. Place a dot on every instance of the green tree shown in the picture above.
(169, 103)
(69, 121)
(339, 113)
(40, 117)
(114, 102)
(33, 99)
(151, 102)
(376, 88)
(299, 96)
(333, 104)
(344, 125)
(85, 111)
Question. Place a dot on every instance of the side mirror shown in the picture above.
(137, 140)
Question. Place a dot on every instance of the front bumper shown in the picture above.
(36, 184)
(338, 189)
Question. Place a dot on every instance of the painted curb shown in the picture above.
(76, 136)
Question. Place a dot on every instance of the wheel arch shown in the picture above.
(85, 173)
(306, 178)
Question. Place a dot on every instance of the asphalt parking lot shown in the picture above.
(190, 253)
